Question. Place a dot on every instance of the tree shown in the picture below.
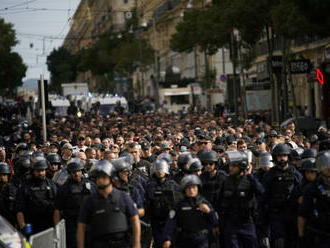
(62, 66)
(12, 68)
(110, 54)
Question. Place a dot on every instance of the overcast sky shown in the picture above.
(43, 23)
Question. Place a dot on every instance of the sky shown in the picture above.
(42, 23)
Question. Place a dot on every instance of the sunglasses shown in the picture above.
(203, 143)
(208, 163)
(81, 139)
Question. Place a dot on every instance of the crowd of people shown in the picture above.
(167, 180)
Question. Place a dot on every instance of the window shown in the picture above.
(183, 99)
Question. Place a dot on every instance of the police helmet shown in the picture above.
(323, 161)
(4, 168)
(194, 165)
(166, 156)
(296, 153)
(183, 160)
(91, 163)
(75, 164)
(160, 165)
(190, 180)
(309, 153)
(308, 164)
(281, 149)
(121, 164)
(28, 153)
(249, 155)
(21, 146)
(41, 164)
(239, 158)
(265, 159)
(54, 158)
(129, 158)
(103, 167)
(36, 156)
(23, 162)
(209, 156)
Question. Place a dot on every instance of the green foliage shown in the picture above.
(62, 66)
(111, 54)
(199, 27)
(12, 68)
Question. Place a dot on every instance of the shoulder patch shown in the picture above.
(172, 214)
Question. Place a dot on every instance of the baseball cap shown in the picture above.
(145, 145)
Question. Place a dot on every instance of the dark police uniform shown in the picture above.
(315, 208)
(211, 185)
(134, 193)
(237, 202)
(7, 202)
(280, 201)
(160, 197)
(68, 200)
(35, 198)
(108, 218)
(188, 225)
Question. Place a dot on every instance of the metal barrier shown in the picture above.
(60, 234)
(50, 238)
(43, 239)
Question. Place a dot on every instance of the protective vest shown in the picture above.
(320, 218)
(76, 194)
(163, 199)
(281, 187)
(211, 186)
(7, 201)
(190, 219)
(238, 197)
(41, 199)
(130, 190)
(107, 217)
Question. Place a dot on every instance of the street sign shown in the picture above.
(277, 64)
(223, 78)
(300, 66)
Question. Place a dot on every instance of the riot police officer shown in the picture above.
(35, 199)
(22, 170)
(7, 194)
(70, 197)
(191, 219)
(211, 177)
(309, 170)
(19, 151)
(55, 164)
(183, 160)
(314, 213)
(195, 167)
(122, 170)
(281, 185)
(265, 162)
(237, 202)
(107, 214)
(162, 193)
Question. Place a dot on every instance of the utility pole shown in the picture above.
(156, 72)
(43, 107)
